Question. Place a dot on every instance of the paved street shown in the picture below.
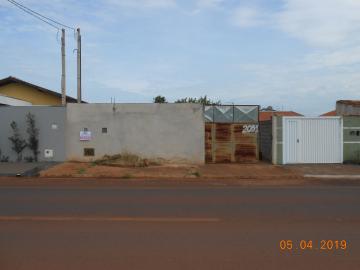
(176, 227)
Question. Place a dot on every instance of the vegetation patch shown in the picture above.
(3, 158)
(81, 171)
(93, 164)
(127, 160)
(18, 143)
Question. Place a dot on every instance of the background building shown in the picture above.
(16, 92)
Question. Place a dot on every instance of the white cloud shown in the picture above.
(246, 17)
(204, 5)
(333, 59)
(209, 3)
(295, 87)
(144, 3)
(320, 23)
(326, 23)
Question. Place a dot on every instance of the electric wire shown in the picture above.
(56, 27)
(39, 16)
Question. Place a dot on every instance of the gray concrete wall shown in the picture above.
(351, 135)
(49, 120)
(169, 131)
(277, 140)
(266, 140)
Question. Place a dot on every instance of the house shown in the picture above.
(328, 114)
(348, 107)
(345, 108)
(16, 92)
(267, 115)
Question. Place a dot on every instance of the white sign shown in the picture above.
(85, 135)
(48, 153)
(250, 129)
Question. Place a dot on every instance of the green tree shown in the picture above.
(33, 136)
(160, 99)
(201, 100)
(18, 143)
(267, 109)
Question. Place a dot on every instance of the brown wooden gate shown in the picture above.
(231, 143)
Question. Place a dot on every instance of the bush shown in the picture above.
(33, 136)
(18, 143)
(3, 158)
(201, 100)
(159, 99)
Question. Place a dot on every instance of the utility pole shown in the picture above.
(78, 66)
(63, 76)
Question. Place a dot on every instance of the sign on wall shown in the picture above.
(250, 129)
(85, 135)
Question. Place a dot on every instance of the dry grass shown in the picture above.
(127, 160)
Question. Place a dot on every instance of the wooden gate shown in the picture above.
(231, 142)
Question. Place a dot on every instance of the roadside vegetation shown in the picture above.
(33, 136)
(127, 160)
(19, 144)
(81, 171)
(17, 141)
(3, 158)
(201, 100)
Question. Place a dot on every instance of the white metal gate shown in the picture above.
(312, 140)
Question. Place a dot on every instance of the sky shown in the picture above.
(299, 55)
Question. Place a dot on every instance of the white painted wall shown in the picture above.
(13, 101)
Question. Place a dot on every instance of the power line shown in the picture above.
(40, 16)
(35, 16)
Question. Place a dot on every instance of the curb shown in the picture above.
(333, 176)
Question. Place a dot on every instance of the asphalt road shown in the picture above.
(179, 227)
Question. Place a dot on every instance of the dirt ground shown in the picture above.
(208, 171)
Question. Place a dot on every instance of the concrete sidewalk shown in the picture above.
(23, 168)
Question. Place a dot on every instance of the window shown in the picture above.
(355, 133)
(104, 130)
(89, 152)
(85, 129)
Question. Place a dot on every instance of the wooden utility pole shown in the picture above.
(63, 75)
(78, 66)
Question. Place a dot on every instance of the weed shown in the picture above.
(81, 171)
(93, 164)
(126, 160)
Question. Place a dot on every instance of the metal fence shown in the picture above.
(231, 113)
